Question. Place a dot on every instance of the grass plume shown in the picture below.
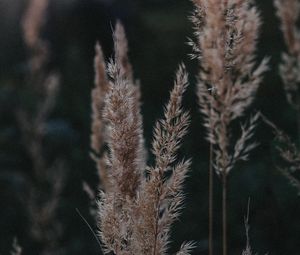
(288, 12)
(289, 164)
(101, 89)
(136, 213)
(226, 34)
(41, 86)
(98, 138)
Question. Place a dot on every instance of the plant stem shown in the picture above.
(210, 202)
(296, 107)
(298, 123)
(224, 212)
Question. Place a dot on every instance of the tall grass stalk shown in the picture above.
(41, 87)
(210, 201)
(136, 212)
(225, 43)
(288, 11)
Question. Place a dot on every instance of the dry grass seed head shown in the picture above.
(288, 12)
(135, 216)
(226, 36)
(160, 199)
(33, 20)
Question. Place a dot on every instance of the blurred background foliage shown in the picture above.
(157, 31)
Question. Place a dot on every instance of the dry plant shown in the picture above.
(288, 12)
(41, 86)
(289, 154)
(99, 92)
(16, 248)
(138, 208)
(98, 126)
(226, 34)
(98, 137)
(248, 249)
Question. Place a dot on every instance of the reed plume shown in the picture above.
(226, 35)
(160, 198)
(98, 137)
(289, 155)
(98, 127)
(288, 12)
(136, 212)
(33, 21)
(41, 86)
(124, 172)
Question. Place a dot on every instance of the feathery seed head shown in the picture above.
(226, 34)
(136, 213)
(288, 12)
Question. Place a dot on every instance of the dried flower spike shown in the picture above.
(226, 35)
(136, 212)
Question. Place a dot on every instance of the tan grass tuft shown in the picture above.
(33, 21)
(136, 213)
(226, 33)
(288, 12)
(101, 90)
(42, 87)
(98, 95)
(160, 199)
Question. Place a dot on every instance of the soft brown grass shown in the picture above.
(289, 154)
(288, 11)
(226, 33)
(98, 139)
(139, 203)
(41, 86)
(137, 211)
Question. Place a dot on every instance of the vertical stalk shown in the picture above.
(297, 107)
(298, 124)
(210, 190)
(224, 212)
(210, 202)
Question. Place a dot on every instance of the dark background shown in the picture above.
(157, 31)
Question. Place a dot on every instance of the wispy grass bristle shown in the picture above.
(226, 34)
(137, 211)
